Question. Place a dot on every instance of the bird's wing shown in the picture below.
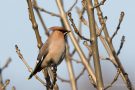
(43, 51)
(42, 54)
(62, 56)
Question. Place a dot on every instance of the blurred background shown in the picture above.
(16, 28)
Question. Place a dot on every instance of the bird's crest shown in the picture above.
(58, 28)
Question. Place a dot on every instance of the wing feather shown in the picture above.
(43, 51)
(42, 54)
(62, 56)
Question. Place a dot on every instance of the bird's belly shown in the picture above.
(56, 53)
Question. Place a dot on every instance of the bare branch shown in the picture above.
(121, 44)
(62, 79)
(118, 27)
(34, 23)
(74, 41)
(93, 37)
(26, 64)
(13, 88)
(35, 27)
(70, 9)
(88, 47)
(101, 3)
(6, 64)
(77, 77)
(75, 29)
(70, 69)
(113, 52)
(114, 80)
(45, 11)
(41, 19)
(101, 30)
(80, 13)
(73, 52)
(75, 60)
(84, 4)
(5, 85)
(81, 73)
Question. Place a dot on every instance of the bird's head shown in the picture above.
(61, 29)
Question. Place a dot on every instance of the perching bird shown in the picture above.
(53, 51)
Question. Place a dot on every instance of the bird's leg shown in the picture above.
(54, 70)
(55, 74)
(48, 82)
(47, 78)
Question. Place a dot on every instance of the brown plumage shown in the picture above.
(53, 51)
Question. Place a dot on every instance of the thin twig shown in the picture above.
(26, 64)
(84, 4)
(83, 20)
(75, 29)
(13, 88)
(114, 80)
(81, 73)
(73, 52)
(76, 60)
(63, 80)
(77, 77)
(102, 38)
(88, 47)
(101, 3)
(80, 13)
(6, 64)
(121, 44)
(70, 9)
(5, 85)
(118, 27)
(40, 18)
(1, 70)
(101, 30)
(73, 59)
(45, 11)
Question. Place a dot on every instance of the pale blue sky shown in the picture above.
(16, 29)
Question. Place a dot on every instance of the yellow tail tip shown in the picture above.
(28, 78)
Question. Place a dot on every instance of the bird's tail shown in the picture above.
(31, 75)
(37, 69)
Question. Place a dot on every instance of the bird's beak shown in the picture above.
(67, 32)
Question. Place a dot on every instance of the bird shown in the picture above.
(53, 50)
